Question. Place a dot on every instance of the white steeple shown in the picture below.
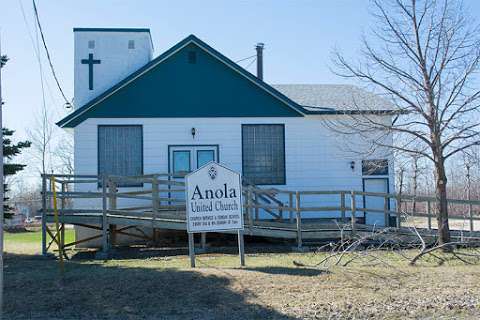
(105, 56)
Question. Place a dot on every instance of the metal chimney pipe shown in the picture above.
(259, 47)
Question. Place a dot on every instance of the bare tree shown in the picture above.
(63, 154)
(41, 136)
(423, 56)
(417, 171)
(400, 178)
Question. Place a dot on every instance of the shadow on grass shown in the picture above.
(19, 230)
(143, 252)
(93, 290)
(305, 272)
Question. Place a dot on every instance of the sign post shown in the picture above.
(214, 204)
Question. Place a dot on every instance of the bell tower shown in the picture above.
(105, 56)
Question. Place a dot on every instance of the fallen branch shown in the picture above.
(425, 251)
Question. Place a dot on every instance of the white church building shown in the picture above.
(139, 114)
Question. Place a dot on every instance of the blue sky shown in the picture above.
(299, 37)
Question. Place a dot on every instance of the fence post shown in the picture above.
(469, 195)
(249, 206)
(429, 213)
(56, 236)
(470, 214)
(104, 216)
(353, 211)
(290, 204)
(113, 206)
(342, 206)
(299, 220)
(257, 211)
(155, 195)
(386, 214)
(470, 210)
(44, 215)
(62, 214)
(155, 206)
(398, 204)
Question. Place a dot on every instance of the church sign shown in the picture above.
(214, 199)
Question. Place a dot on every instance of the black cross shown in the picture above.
(90, 61)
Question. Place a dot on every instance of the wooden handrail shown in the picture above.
(261, 199)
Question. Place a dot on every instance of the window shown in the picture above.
(120, 151)
(192, 57)
(204, 157)
(263, 153)
(131, 44)
(91, 44)
(181, 162)
(377, 167)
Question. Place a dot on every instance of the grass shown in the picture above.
(29, 242)
(33, 237)
(162, 286)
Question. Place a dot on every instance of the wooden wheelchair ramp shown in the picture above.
(157, 201)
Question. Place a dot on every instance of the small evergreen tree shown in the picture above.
(10, 150)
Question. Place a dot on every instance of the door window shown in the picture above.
(185, 159)
(204, 157)
(181, 161)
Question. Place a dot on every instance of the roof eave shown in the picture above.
(355, 112)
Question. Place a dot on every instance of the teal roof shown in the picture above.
(172, 86)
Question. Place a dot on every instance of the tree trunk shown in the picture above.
(415, 182)
(441, 204)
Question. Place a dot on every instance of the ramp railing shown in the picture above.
(162, 196)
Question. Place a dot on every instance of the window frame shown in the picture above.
(284, 180)
(141, 153)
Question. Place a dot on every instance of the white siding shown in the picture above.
(117, 60)
(317, 158)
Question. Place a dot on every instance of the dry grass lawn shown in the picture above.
(270, 287)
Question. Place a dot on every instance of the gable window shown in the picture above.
(263, 153)
(120, 150)
(131, 44)
(377, 167)
(91, 44)
(192, 57)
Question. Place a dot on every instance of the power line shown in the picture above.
(246, 58)
(48, 53)
(44, 105)
(36, 49)
(248, 66)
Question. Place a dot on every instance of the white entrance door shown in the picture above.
(379, 185)
(185, 159)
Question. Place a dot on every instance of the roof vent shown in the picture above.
(192, 57)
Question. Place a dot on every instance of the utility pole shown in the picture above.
(3, 61)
